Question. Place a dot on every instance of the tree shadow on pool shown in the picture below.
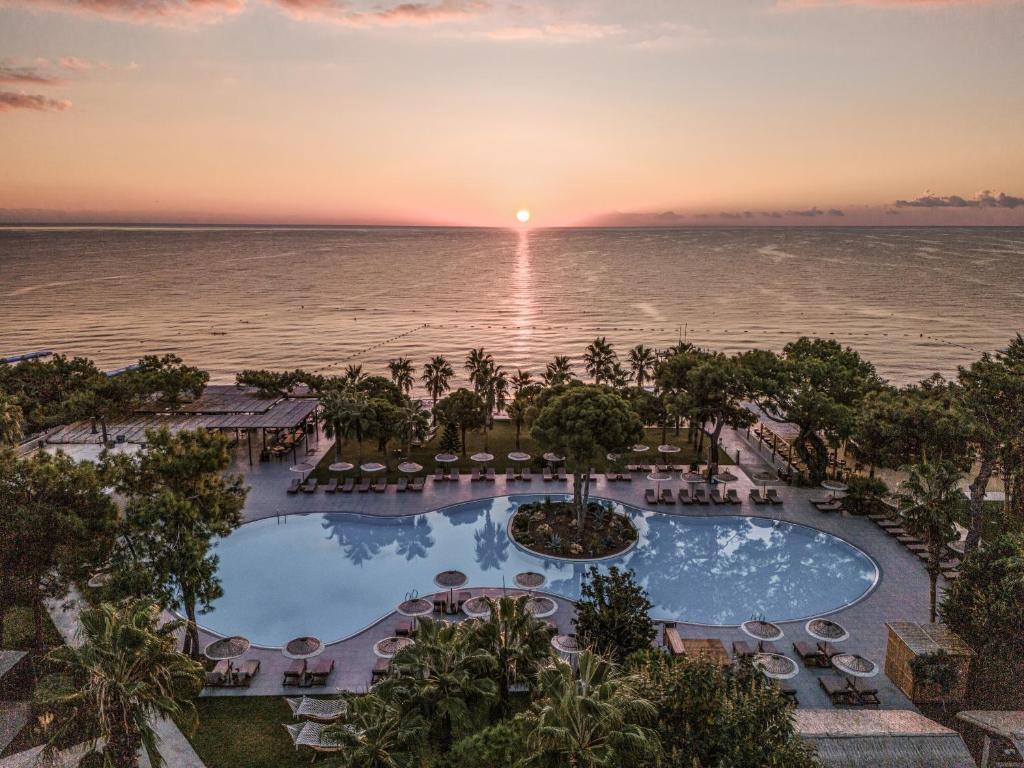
(362, 542)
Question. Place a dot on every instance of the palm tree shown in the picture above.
(519, 643)
(617, 376)
(437, 376)
(126, 673)
(520, 379)
(517, 413)
(592, 719)
(412, 424)
(932, 497)
(494, 391)
(348, 415)
(442, 677)
(11, 420)
(479, 364)
(402, 373)
(558, 371)
(376, 734)
(353, 375)
(598, 358)
(641, 361)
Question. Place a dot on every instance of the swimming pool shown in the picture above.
(332, 575)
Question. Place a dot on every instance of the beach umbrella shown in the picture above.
(530, 580)
(518, 456)
(415, 607)
(446, 458)
(854, 664)
(639, 448)
(410, 467)
(776, 666)
(450, 580)
(541, 606)
(659, 477)
(302, 648)
(835, 486)
(371, 467)
(669, 448)
(389, 647)
(477, 607)
(227, 649)
(692, 477)
(567, 646)
(553, 458)
(726, 477)
(303, 467)
(826, 630)
(759, 629)
(341, 466)
(764, 478)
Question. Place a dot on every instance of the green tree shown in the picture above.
(43, 387)
(709, 715)
(520, 380)
(558, 372)
(641, 361)
(57, 524)
(179, 500)
(437, 375)
(581, 423)
(613, 614)
(11, 420)
(864, 495)
(464, 409)
(168, 379)
(376, 734)
(125, 674)
(598, 359)
(592, 718)
(403, 373)
(479, 364)
(502, 745)
(718, 388)
(353, 375)
(519, 643)
(411, 424)
(449, 441)
(348, 415)
(930, 500)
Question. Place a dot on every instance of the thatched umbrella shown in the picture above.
(826, 630)
(389, 647)
(776, 666)
(759, 629)
(301, 648)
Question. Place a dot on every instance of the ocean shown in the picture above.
(912, 301)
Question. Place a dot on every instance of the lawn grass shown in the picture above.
(19, 632)
(245, 731)
(500, 442)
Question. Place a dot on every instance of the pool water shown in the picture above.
(332, 575)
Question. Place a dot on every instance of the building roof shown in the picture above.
(1009, 725)
(881, 738)
(929, 638)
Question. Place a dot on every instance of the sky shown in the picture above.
(461, 112)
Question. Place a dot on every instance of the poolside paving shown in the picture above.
(901, 593)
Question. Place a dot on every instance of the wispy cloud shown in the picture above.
(169, 12)
(984, 199)
(798, 5)
(28, 75)
(10, 101)
(74, 63)
(362, 15)
(813, 213)
(556, 32)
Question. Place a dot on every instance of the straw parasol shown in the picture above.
(530, 580)
(854, 664)
(541, 606)
(389, 647)
(518, 456)
(692, 477)
(303, 467)
(639, 448)
(764, 478)
(371, 467)
(776, 666)
(302, 648)
(450, 580)
(415, 607)
(477, 607)
(482, 457)
(759, 629)
(826, 630)
(446, 458)
(553, 458)
(669, 448)
(227, 648)
(410, 467)
(725, 478)
(341, 466)
(835, 486)
(659, 477)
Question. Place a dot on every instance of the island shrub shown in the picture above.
(552, 528)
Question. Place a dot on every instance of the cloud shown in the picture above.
(13, 74)
(9, 101)
(169, 12)
(984, 199)
(556, 32)
(74, 63)
(799, 5)
(354, 14)
(813, 213)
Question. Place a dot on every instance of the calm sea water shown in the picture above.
(913, 301)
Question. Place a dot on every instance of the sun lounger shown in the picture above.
(474, 476)
(417, 484)
(732, 496)
(825, 500)
(313, 735)
(684, 496)
(295, 673)
(879, 518)
(649, 496)
(625, 477)
(773, 496)
(321, 670)
(908, 538)
(381, 485)
(700, 496)
(216, 678)
(454, 475)
(510, 474)
(562, 475)
(888, 525)
(526, 476)
(767, 646)
(349, 485)
(548, 477)
(491, 475)
(440, 601)
(667, 497)
(672, 641)
(461, 598)
(810, 654)
(294, 485)
(317, 709)
(835, 506)
(438, 475)
(663, 467)
(611, 477)
(406, 628)
(402, 485)
(380, 670)
(331, 486)
(866, 693)
(364, 485)
(839, 692)
(756, 497)
(309, 486)
(827, 649)
(716, 496)
(741, 649)
(245, 671)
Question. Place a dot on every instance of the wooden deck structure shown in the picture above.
(1008, 726)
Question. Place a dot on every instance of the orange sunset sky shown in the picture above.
(464, 111)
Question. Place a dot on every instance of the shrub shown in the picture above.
(612, 614)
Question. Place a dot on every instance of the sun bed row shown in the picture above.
(949, 565)
(229, 675)
(351, 484)
(307, 674)
(699, 496)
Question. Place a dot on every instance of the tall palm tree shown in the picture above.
(353, 375)
(931, 499)
(519, 643)
(11, 420)
(641, 361)
(517, 414)
(479, 364)
(126, 672)
(618, 377)
(376, 734)
(520, 379)
(402, 373)
(443, 677)
(437, 376)
(412, 424)
(598, 358)
(348, 415)
(558, 371)
(591, 719)
(494, 391)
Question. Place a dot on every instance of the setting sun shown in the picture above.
(522, 215)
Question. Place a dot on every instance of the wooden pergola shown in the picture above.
(1003, 725)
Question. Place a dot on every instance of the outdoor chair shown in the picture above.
(810, 654)
(741, 649)
(402, 485)
(650, 497)
(331, 485)
(663, 467)
(773, 496)
(667, 497)
(461, 598)
(684, 496)
(510, 474)
(767, 646)
(562, 476)
(756, 497)
(380, 670)
(474, 476)
(214, 679)
(700, 496)
(293, 486)
(349, 485)
(491, 475)
(548, 477)
(309, 486)
(416, 485)
(440, 602)
(716, 497)
(732, 497)
(245, 671)
(380, 485)
(321, 670)
(838, 690)
(611, 477)
(364, 485)
(833, 507)
(295, 673)
(526, 476)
